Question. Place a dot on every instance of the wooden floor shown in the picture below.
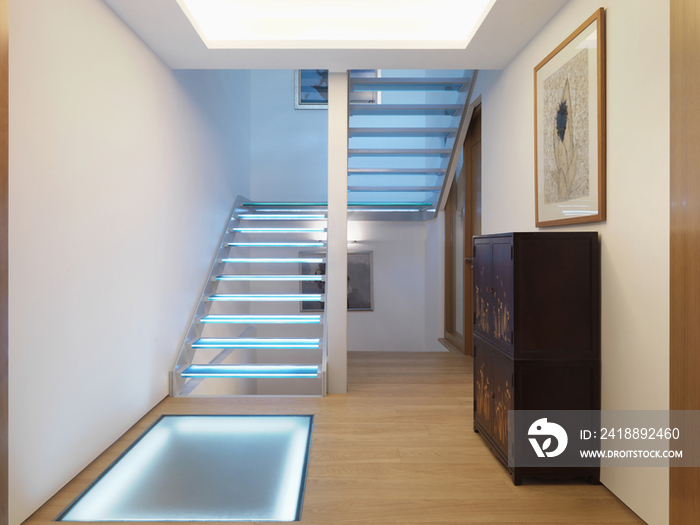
(398, 448)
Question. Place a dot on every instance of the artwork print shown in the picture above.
(570, 129)
(359, 281)
(311, 89)
(565, 112)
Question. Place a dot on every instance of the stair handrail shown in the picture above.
(194, 329)
(461, 135)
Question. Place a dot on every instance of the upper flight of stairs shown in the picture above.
(250, 334)
(399, 148)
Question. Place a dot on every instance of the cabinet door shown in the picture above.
(502, 290)
(483, 391)
(482, 288)
(502, 399)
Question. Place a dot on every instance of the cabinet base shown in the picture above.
(590, 474)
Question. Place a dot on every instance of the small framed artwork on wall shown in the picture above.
(360, 297)
(570, 129)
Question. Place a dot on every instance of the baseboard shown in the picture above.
(452, 348)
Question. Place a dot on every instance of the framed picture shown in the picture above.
(311, 89)
(360, 296)
(570, 129)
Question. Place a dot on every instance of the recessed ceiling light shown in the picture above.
(339, 24)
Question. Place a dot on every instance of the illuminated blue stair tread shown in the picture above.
(254, 277)
(262, 319)
(276, 244)
(204, 468)
(280, 217)
(278, 343)
(278, 230)
(272, 204)
(266, 297)
(265, 260)
(252, 371)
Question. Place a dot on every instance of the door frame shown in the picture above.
(462, 342)
(4, 206)
(684, 504)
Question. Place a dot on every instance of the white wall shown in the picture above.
(121, 177)
(289, 147)
(405, 316)
(635, 237)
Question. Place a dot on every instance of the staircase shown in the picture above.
(400, 148)
(259, 327)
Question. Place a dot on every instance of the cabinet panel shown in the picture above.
(558, 304)
(503, 399)
(502, 289)
(483, 391)
(482, 288)
(558, 385)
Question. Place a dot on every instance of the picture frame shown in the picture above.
(311, 89)
(570, 129)
(360, 283)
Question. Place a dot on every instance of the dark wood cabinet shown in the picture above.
(536, 333)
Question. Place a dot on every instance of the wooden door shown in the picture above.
(462, 222)
(454, 257)
(472, 220)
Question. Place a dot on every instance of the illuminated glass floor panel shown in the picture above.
(204, 468)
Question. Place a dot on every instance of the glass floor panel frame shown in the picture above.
(292, 473)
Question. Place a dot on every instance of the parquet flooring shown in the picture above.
(398, 448)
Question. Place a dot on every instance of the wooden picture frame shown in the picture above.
(570, 129)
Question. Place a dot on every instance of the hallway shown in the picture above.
(398, 448)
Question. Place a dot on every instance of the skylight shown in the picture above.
(337, 24)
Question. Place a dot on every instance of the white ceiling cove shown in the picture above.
(504, 30)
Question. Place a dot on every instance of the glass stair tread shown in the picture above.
(273, 343)
(252, 371)
(409, 83)
(289, 204)
(397, 171)
(276, 244)
(401, 132)
(350, 204)
(256, 277)
(398, 189)
(454, 110)
(272, 260)
(277, 230)
(261, 319)
(399, 152)
(266, 297)
(280, 217)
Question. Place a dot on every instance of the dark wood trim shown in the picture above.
(4, 203)
(472, 223)
(685, 241)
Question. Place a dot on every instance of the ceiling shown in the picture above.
(503, 32)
